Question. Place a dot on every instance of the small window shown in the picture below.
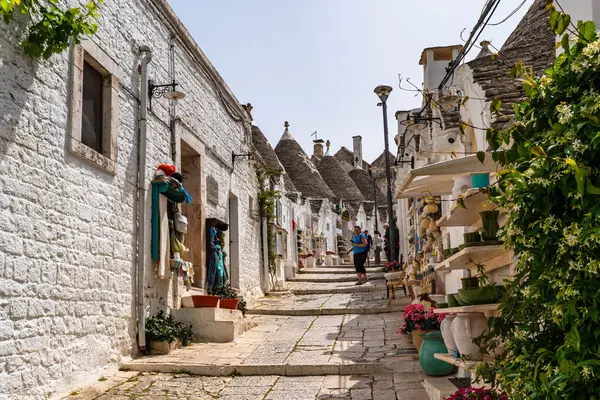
(91, 113)
(94, 106)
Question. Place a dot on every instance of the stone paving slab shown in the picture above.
(267, 387)
(334, 277)
(372, 302)
(308, 288)
(341, 344)
(338, 270)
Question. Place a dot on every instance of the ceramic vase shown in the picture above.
(418, 339)
(465, 328)
(490, 226)
(432, 344)
(446, 328)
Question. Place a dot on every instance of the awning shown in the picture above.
(438, 179)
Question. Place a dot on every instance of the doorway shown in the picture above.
(191, 169)
(234, 241)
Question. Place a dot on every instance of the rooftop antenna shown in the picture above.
(316, 139)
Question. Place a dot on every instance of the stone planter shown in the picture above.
(446, 329)
(418, 339)
(165, 347)
(432, 344)
(465, 328)
(490, 226)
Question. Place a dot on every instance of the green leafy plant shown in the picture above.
(51, 29)
(267, 200)
(163, 328)
(549, 324)
(227, 292)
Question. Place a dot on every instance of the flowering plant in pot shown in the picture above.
(392, 266)
(418, 321)
(472, 393)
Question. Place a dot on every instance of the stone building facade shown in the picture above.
(68, 214)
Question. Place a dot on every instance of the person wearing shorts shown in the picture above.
(360, 249)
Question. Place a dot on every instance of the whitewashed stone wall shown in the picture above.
(67, 228)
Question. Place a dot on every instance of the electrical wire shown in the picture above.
(488, 11)
(510, 15)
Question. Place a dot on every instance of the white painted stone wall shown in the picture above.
(67, 228)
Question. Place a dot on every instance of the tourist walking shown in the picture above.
(359, 247)
(377, 243)
(369, 246)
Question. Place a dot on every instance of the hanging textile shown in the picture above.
(164, 240)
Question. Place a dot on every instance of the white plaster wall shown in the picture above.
(475, 111)
(584, 10)
(67, 229)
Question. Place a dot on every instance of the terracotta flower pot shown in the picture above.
(418, 338)
(205, 301)
(229, 303)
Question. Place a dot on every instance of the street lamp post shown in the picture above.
(383, 92)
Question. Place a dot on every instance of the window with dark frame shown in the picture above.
(91, 115)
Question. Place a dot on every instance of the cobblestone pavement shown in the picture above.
(334, 287)
(338, 343)
(336, 303)
(141, 386)
(281, 343)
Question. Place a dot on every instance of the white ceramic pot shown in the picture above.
(465, 328)
(446, 328)
(462, 183)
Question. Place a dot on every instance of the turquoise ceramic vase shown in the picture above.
(434, 343)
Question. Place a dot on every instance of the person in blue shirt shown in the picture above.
(360, 248)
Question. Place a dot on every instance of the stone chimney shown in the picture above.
(318, 148)
(357, 148)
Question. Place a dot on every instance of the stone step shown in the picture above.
(326, 311)
(410, 365)
(334, 278)
(337, 271)
(438, 388)
(326, 288)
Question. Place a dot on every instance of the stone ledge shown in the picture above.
(326, 311)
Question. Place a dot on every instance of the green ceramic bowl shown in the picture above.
(451, 299)
(460, 301)
(482, 295)
(442, 305)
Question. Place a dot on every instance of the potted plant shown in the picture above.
(490, 226)
(205, 301)
(472, 393)
(418, 321)
(165, 334)
(433, 343)
(229, 299)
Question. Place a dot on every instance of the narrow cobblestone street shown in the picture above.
(322, 339)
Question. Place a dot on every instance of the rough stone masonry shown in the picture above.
(68, 226)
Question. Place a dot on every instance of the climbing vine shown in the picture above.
(267, 200)
(51, 29)
(549, 324)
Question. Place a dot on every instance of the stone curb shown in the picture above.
(142, 365)
(358, 289)
(326, 311)
(334, 272)
(352, 278)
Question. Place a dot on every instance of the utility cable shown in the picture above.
(510, 15)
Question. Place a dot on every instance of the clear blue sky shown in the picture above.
(315, 63)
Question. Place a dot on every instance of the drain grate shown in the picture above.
(460, 382)
(406, 350)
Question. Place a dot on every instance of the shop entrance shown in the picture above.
(234, 241)
(191, 169)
